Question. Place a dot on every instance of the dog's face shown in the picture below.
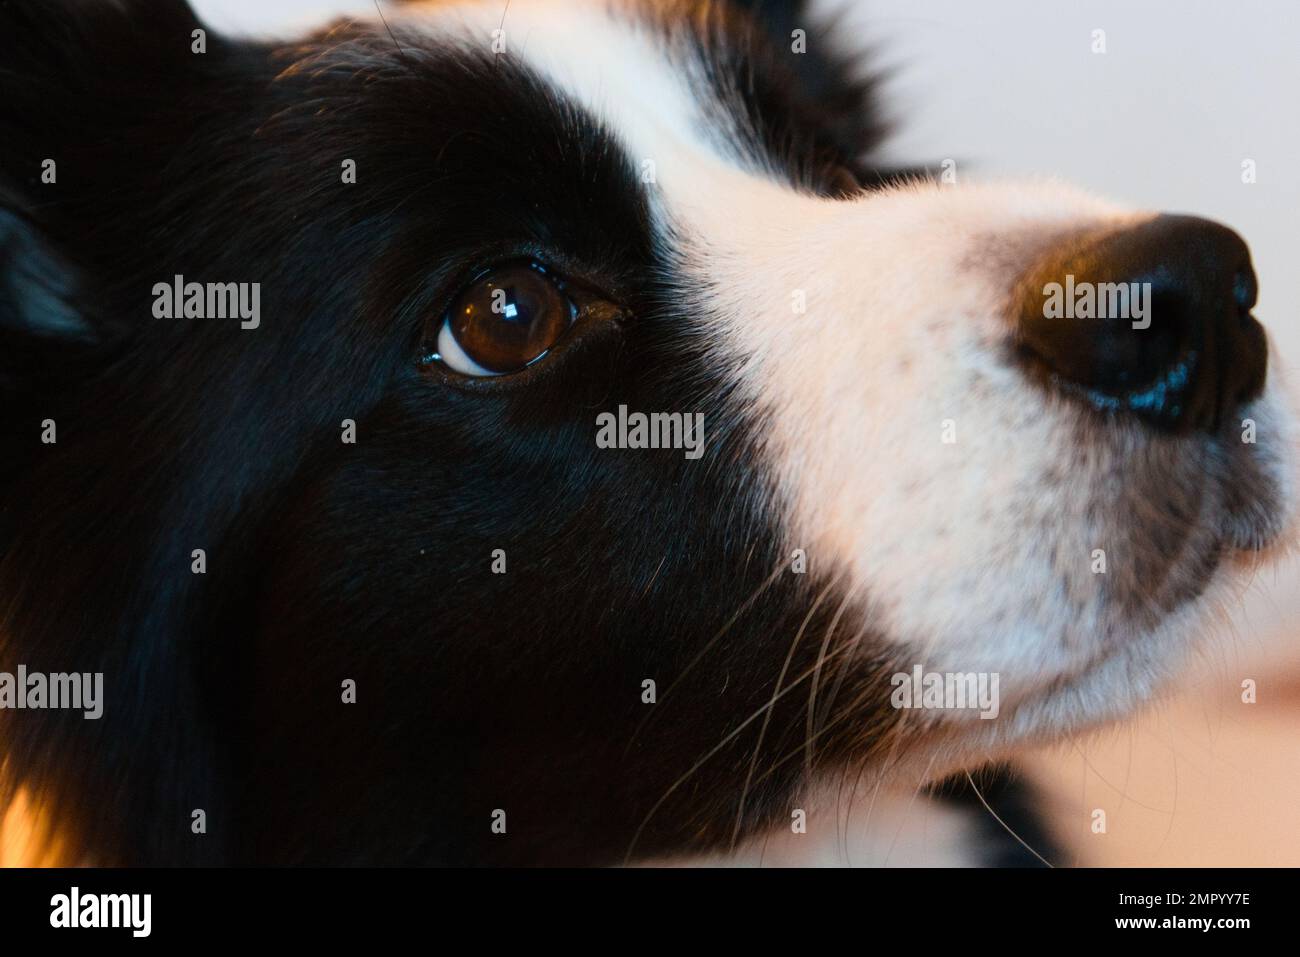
(476, 236)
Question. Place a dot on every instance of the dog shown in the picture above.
(547, 434)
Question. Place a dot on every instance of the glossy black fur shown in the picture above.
(370, 562)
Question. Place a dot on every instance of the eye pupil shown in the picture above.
(509, 317)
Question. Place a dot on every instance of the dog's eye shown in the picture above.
(505, 320)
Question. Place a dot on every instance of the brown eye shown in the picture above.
(508, 318)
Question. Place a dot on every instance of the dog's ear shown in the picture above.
(38, 289)
(45, 331)
(829, 70)
(779, 16)
(96, 95)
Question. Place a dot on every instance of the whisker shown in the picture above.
(841, 672)
(847, 714)
(1005, 827)
(753, 763)
(812, 690)
(731, 736)
(911, 803)
(745, 606)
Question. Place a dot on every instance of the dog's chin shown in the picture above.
(1260, 531)
(1143, 650)
(1250, 516)
(1259, 528)
(1255, 527)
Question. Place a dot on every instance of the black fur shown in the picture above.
(370, 561)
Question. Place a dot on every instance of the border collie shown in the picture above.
(548, 434)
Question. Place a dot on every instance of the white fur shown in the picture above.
(962, 549)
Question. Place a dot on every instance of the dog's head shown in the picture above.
(382, 556)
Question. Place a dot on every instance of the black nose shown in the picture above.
(1153, 321)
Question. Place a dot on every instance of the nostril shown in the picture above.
(1164, 331)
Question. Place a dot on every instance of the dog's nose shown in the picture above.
(1153, 320)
